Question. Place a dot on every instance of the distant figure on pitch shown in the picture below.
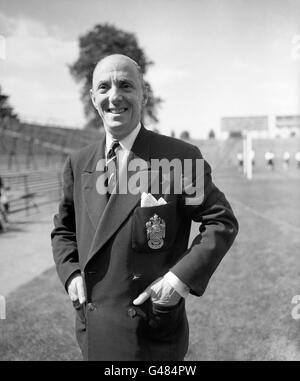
(240, 160)
(269, 157)
(297, 158)
(252, 155)
(286, 160)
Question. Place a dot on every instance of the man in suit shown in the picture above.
(128, 268)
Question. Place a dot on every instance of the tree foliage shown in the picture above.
(185, 135)
(101, 41)
(5, 109)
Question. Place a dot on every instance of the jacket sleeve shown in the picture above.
(63, 236)
(217, 232)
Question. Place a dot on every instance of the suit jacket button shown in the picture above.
(91, 307)
(131, 312)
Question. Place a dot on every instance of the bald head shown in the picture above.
(118, 61)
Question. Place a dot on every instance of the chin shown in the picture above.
(117, 126)
(117, 129)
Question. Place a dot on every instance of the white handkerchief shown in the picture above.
(161, 201)
(148, 200)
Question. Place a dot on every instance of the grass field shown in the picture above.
(245, 313)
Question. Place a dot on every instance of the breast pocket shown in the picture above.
(154, 228)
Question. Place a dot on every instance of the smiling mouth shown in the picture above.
(117, 110)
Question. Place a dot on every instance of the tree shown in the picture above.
(185, 135)
(101, 41)
(5, 109)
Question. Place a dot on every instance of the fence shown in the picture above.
(26, 146)
(32, 189)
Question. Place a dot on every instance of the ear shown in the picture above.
(145, 95)
(92, 97)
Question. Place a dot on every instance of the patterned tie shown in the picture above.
(111, 166)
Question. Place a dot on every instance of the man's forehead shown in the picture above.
(115, 73)
(116, 67)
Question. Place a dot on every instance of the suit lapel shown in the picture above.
(120, 205)
(94, 201)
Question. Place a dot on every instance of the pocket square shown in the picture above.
(148, 200)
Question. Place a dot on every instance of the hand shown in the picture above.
(76, 289)
(161, 292)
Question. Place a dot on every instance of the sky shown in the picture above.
(212, 58)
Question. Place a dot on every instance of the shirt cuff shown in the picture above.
(182, 289)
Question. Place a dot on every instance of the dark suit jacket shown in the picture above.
(107, 243)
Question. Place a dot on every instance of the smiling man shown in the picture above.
(118, 95)
(126, 264)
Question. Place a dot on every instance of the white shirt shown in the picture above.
(123, 151)
(269, 155)
(125, 144)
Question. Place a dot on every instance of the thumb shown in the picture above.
(72, 294)
(142, 297)
(72, 291)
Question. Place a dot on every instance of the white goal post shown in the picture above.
(247, 154)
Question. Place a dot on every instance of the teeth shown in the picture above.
(117, 111)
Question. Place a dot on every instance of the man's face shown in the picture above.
(117, 95)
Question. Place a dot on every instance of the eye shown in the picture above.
(102, 87)
(125, 85)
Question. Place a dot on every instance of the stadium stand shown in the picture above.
(31, 158)
(222, 154)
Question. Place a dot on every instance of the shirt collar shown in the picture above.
(125, 143)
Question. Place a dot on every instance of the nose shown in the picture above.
(115, 95)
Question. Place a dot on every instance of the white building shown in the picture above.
(262, 127)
